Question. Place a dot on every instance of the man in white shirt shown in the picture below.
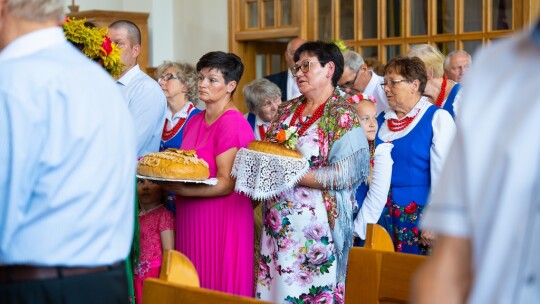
(146, 100)
(456, 64)
(285, 80)
(358, 78)
(486, 206)
(67, 156)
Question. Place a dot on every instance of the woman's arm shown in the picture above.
(373, 204)
(167, 239)
(225, 185)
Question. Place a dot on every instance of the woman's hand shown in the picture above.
(427, 238)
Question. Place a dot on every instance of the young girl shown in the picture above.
(371, 195)
(156, 232)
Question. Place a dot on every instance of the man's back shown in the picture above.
(67, 183)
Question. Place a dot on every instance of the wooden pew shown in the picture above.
(375, 276)
(378, 238)
(157, 291)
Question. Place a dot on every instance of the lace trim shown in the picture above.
(263, 176)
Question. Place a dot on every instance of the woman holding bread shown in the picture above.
(214, 223)
(307, 230)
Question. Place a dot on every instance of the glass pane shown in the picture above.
(502, 15)
(472, 45)
(418, 17)
(346, 19)
(286, 12)
(253, 14)
(393, 18)
(269, 13)
(472, 16)
(325, 20)
(275, 64)
(260, 66)
(370, 51)
(392, 51)
(445, 16)
(446, 47)
(369, 19)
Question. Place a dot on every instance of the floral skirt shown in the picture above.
(402, 224)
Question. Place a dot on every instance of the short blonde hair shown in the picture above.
(431, 56)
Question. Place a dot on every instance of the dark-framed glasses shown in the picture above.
(304, 66)
(349, 84)
(392, 82)
(167, 77)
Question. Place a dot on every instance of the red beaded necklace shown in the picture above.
(298, 115)
(168, 134)
(440, 98)
(395, 125)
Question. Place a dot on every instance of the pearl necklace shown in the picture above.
(144, 212)
(440, 98)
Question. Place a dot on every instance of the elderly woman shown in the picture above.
(442, 92)
(262, 99)
(214, 224)
(307, 230)
(179, 83)
(421, 134)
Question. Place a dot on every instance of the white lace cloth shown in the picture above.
(262, 176)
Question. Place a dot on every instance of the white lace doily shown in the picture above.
(263, 176)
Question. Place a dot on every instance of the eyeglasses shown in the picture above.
(349, 84)
(167, 77)
(392, 82)
(304, 66)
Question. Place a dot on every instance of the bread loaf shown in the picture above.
(273, 148)
(174, 164)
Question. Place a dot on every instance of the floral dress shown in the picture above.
(298, 258)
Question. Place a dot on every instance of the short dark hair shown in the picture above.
(229, 64)
(325, 52)
(133, 31)
(411, 68)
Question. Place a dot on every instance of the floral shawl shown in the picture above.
(343, 165)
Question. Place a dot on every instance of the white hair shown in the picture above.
(37, 10)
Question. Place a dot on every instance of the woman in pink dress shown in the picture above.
(157, 233)
(214, 223)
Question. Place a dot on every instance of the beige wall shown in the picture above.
(179, 30)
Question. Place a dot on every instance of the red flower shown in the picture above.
(415, 230)
(397, 213)
(107, 46)
(411, 208)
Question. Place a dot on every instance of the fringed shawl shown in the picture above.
(344, 165)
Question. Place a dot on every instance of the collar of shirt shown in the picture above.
(420, 105)
(260, 122)
(292, 87)
(32, 43)
(178, 115)
(129, 75)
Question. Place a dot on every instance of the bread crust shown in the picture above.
(174, 164)
(273, 148)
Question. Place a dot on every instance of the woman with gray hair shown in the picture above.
(262, 98)
(179, 83)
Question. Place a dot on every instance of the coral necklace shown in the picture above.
(395, 125)
(306, 124)
(168, 134)
(440, 98)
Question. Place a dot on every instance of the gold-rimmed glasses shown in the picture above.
(304, 66)
(167, 77)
